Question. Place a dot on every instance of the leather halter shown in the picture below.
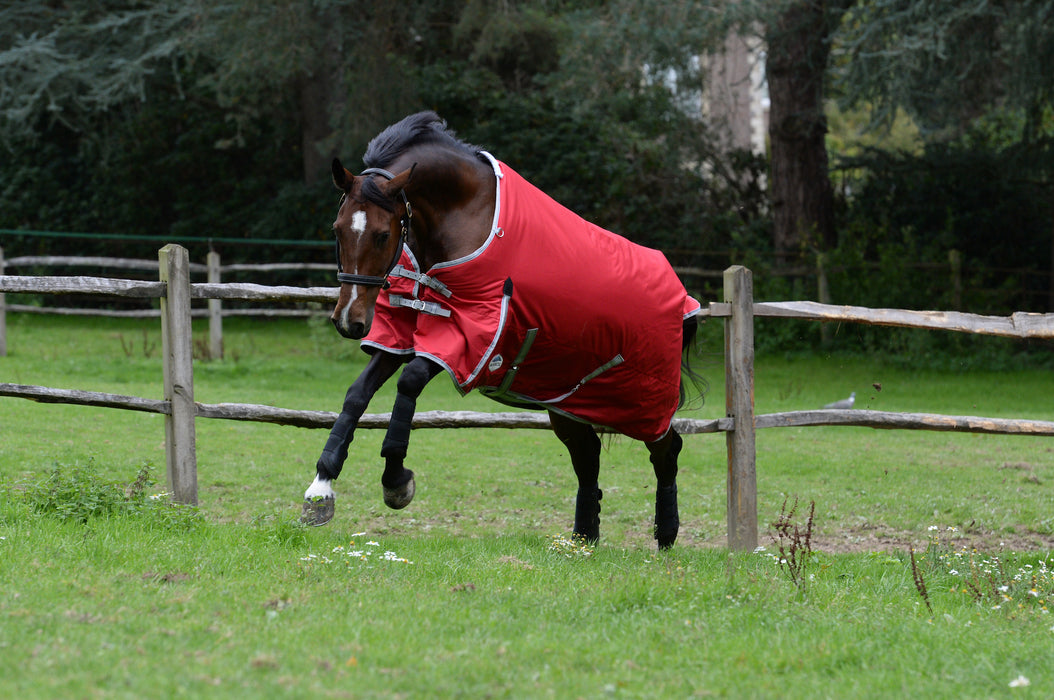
(404, 221)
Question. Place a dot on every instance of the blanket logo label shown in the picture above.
(495, 363)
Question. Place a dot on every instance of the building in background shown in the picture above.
(735, 101)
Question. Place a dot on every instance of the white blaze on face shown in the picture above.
(345, 313)
(358, 227)
(358, 223)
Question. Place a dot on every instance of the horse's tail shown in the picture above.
(699, 385)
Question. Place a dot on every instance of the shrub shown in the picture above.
(78, 494)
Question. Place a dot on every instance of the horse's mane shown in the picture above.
(421, 129)
(415, 130)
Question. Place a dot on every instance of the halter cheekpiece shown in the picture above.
(404, 222)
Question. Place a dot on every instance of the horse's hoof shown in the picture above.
(318, 511)
(665, 544)
(666, 535)
(400, 497)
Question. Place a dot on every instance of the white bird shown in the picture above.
(844, 403)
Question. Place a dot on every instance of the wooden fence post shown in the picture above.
(178, 347)
(215, 309)
(739, 405)
(3, 313)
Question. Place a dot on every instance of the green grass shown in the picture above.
(122, 607)
(143, 599)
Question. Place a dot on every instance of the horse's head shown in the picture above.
(370, 231)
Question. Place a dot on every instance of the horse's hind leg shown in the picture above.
(664, 452)
(320, 500)
(583, 445)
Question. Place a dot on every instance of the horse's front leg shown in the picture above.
(320, 499)
(397, 480)
(664, 452)
(583, 445)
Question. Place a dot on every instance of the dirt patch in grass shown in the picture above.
(869, 538)
(887, 540)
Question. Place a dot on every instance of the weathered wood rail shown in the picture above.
(212, 268)
(516, 420)
(740, 423)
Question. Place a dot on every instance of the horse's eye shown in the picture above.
(380, 239)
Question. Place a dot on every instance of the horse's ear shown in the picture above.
(341, 177)
(398, 183)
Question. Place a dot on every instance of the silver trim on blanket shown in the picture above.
(505, 299)
(495, 231)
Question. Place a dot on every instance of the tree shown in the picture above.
(77, 63)
(217, 115)
(949, 63)
(976, 75)
(594, 104)
(71, 61)
(798, 37)
(347, 63)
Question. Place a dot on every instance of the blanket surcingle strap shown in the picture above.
(428, 307)
(421, 278)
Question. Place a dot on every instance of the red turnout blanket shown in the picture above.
(550, 312)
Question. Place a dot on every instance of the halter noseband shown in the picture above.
(404, 222)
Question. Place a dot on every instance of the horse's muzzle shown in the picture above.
(353, 331)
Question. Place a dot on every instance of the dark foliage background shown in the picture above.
(215, 119)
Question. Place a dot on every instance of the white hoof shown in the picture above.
(320, 502)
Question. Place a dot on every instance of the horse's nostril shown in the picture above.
(355, 331)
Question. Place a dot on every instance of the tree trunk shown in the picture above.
(800, 189)
(315, 129)
(320, 90)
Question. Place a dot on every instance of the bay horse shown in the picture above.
(448, 260)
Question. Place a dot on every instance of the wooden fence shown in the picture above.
(212, 269)
(737, 311)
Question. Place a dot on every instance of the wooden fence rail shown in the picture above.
(212, 268)
(260, 413)
(823, 311)
(737, 310)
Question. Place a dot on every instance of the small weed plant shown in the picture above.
(989, 579)
(920, 580)
(793, 542)
(148, 346)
